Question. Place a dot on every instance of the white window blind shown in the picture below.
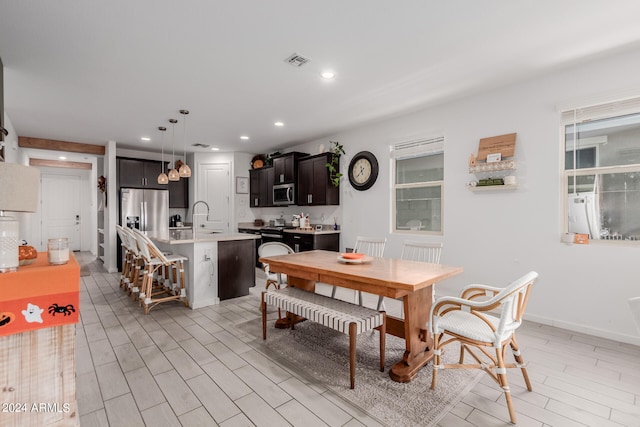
(617, 108)
(420, 147)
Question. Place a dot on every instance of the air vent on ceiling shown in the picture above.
(197, 144)
(297, 60)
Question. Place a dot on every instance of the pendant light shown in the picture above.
(185, 170)
(163, 178)
(173, 173)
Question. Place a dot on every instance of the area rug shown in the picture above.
(314, 351)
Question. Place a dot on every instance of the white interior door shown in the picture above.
(214, 188)
(61, 213)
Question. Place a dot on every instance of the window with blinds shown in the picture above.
(418, 186)
(602, 170)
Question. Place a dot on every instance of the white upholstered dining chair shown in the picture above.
(422, 251)
(413, 250)
(277, 280)
(274, 249)
(483, 318)
(372, 246)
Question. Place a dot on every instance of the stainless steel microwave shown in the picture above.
(284, 194)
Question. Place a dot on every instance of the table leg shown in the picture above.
(290, 318)
(418, 341)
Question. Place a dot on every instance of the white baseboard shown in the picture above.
(204, 303)
(601, 333)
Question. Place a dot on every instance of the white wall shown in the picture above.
(10, 142)
(498, 236)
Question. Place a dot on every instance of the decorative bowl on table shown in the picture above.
(352, 255)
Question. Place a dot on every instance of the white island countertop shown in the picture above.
(178, 237)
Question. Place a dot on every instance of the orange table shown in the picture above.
(39, 306)
(394, 278)
(39, 295)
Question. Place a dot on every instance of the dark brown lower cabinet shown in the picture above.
(236, 268)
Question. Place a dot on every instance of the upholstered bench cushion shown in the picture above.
(326, 311)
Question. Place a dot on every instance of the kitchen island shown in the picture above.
(220, 265)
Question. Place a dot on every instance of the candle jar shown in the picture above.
(58, 251)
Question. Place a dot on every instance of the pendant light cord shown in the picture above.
(161, 129)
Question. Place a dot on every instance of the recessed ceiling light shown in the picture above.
(145, 138)
(244, 137)
(62, 158)
(328, 75)
(215, 149)
(279, 124)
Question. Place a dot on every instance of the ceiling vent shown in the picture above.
(199, 145)
(297, 60)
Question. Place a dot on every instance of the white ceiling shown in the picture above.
(93, 71)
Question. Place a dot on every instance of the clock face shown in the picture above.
(363, 170)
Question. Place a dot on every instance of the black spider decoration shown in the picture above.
(64, 309)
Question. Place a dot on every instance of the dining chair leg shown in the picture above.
(383, 341)
(501, 373)
(352, 353)
(263, 307)
(276, 285)
(436, 360)
(520, 362)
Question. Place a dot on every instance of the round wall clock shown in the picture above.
(363, 170)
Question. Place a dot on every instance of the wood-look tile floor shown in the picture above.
(192, 368)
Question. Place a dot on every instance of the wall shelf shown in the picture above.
(492, 187)
(504, 165)
(492, 170)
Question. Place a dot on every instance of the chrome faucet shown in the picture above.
(194, 214)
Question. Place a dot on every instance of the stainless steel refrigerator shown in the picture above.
(146, 210)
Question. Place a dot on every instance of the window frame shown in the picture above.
(574, 117)
(422, 147)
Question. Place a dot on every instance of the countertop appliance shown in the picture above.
(284, 194)
(175, 221)
(584, 214)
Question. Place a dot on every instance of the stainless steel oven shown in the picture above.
(284, 194)
(272, 234)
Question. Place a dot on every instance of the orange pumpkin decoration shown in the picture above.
(27, 254)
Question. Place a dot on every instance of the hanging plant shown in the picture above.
(336, 151)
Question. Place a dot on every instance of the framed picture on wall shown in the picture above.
(242, 185)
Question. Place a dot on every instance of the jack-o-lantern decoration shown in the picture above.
(6, 318)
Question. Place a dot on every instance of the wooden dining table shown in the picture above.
(393, 278)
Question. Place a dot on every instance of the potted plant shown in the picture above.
(336, 151)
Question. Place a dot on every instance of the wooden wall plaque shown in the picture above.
(503, 144)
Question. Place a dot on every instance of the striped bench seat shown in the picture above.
(340, 315)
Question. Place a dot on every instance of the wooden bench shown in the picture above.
(342, 316)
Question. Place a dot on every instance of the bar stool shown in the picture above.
(135, 265)
(155, 261)
(127, 257)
